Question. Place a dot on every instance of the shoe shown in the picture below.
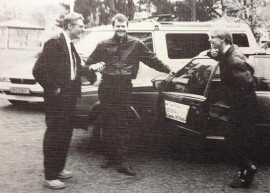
(249, 174)
(245, 178)
(65, 174)
(126, 170)
(54, 184)
(238, 183)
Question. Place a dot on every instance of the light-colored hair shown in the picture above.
(223, 33)
(119, 17)
(70, 18)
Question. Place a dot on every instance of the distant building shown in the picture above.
(19, 34)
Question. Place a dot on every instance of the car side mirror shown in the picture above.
(162, 82)
(159, 84)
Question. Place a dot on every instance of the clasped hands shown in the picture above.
(98, 67)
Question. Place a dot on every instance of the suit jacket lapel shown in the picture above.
(64, 44)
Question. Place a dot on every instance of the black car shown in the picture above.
(190, 103)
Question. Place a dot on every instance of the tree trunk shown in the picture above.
(111, 5)
(130, 9)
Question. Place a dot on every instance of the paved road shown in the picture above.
(21, 170)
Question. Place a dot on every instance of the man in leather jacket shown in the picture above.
(118, 60)
(238, 89)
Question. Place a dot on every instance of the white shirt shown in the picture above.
(72, 65)
(226, 48)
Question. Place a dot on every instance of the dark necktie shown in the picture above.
(73, 54)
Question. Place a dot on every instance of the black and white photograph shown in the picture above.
(135, 96)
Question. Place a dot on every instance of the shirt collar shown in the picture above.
(226, 48)
(68, 40)
(118, 39)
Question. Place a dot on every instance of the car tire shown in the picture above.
(16, 102)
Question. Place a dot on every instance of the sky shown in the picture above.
(36, 2)
(45, 1)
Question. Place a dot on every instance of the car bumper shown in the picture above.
(35, 92)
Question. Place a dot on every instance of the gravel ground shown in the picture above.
(21, 169)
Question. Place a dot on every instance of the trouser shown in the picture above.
(60, 111)
(241, 132)
(115, 99)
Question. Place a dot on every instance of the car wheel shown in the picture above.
(15, 102)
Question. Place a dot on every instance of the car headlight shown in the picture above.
(4, 79)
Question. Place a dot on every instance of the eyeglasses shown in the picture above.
(213, 37)
(80, 26)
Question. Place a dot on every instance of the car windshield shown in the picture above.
(194, 77)
(195, 65)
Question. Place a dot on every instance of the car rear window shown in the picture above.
(240, 40)
(180, 46)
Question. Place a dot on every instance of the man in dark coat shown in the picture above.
(239, 91)
(118, 60)
(58, 71)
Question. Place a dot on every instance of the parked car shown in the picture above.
(190, 103)
(175, 43)
(18, 85)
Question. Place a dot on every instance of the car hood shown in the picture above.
(23, 71)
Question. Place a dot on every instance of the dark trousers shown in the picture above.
(60, 111)
(241, 136)
(115, 99)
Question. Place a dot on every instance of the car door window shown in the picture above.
(145, 73)
(182, 45)
(193, 78)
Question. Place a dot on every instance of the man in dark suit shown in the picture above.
(58, 70)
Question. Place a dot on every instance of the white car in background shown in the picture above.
(18, 85)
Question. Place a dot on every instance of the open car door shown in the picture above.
(183, 101)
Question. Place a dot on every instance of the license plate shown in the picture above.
(176, 111)
(17, 90)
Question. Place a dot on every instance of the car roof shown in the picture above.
(152, 25)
